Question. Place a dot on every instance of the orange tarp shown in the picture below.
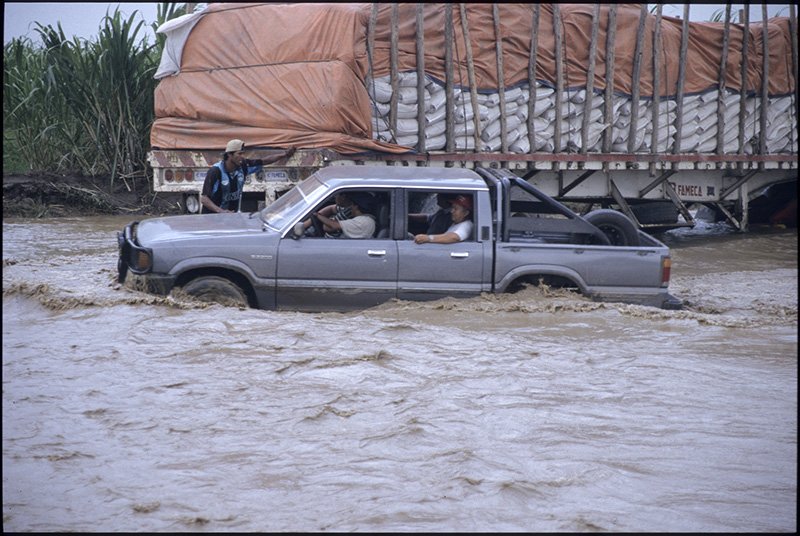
(281, 75)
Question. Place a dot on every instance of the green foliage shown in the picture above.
(35, 125)
(82, 106)
(719, 16)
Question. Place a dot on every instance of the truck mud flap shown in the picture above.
(671, 303)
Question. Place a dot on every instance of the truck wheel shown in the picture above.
(216, 290)
(619, 229)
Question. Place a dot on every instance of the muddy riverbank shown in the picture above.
(45, 195)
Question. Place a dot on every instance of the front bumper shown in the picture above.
(139, 261)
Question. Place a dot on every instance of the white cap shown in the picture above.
(234, 146)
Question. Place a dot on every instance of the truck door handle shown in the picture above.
(459, 255)
(376, 252)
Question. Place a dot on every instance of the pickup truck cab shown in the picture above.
(520, 236)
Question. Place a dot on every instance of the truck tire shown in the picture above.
(655, 212)
(216, 290)
(619, 229)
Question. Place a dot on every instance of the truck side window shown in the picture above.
(353, 214)
(429, 212)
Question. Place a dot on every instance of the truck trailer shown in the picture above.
(599, 105)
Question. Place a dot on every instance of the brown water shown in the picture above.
(531, 412)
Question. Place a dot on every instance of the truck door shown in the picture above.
(432, 271)
(335, 274)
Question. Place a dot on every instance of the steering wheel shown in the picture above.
(318, 231)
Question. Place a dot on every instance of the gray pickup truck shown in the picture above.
(520, 236)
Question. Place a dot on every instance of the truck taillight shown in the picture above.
(666, 268)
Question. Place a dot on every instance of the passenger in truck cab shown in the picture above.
(460, 230)
(222, 189)
(439, 221)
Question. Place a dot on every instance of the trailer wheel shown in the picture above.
(216, 290)
(619, 229)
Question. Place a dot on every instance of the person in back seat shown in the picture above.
(439, 221)
(460, 230)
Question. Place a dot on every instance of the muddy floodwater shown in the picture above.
(538, 411)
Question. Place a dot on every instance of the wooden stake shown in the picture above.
(448, 61)
(587, 104)
(608, 115)
(498, 39)
(473, 93)
(420, 30)
(676, 148)
(637, 69)
(532, 57)
(723, 68)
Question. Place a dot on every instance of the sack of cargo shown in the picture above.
(320, 86)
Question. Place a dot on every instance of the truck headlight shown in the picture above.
(192, 204)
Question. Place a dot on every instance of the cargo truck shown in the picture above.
(608, 106)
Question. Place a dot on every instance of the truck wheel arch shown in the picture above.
(532, 274)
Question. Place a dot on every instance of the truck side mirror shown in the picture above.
(298, 230)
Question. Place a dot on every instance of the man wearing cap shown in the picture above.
(439, 221)
(222, 190)
(362, 222)
(461, 228)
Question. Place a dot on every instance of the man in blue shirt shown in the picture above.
(222, 189)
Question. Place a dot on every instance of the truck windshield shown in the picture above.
(291, 205)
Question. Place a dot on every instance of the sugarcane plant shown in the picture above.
(77, 105)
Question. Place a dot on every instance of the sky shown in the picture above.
(83, 19)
